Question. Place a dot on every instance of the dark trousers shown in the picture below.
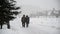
(27, 24)
(23, 24)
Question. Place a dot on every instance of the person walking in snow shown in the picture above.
(27, 21)
(23, 21)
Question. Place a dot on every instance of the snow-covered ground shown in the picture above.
(41, 25)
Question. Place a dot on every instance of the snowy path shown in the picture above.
(36, 26)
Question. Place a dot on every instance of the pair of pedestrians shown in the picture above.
(25, 21)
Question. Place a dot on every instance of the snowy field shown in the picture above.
(41, 25)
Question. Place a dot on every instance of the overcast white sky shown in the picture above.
(45, 4)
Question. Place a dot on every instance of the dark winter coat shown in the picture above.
(23, 19)
(27, 20)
